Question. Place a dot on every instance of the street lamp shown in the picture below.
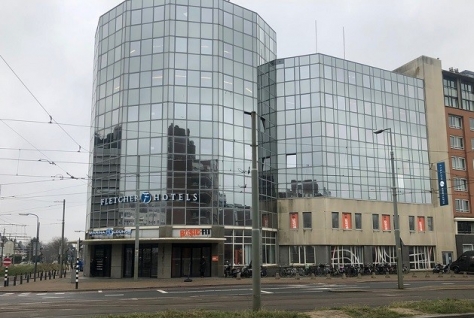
(37, 239)
(396, 224)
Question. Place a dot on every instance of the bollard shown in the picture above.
(344, 275)
(373, 275)
(77, 273)
(14, 281)
(297, 276)
(5, 280)
(41, 276)
(427, 275)
(452, 274)
(49, 274)
(313, 276)
(28, 278)
(238, 276)
(359, 275)
(21, 279)
(387, 275)
(328, 276)
(464, 274)
(277, 275)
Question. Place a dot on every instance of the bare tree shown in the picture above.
(52, 248)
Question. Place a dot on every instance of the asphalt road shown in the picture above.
(300, 297)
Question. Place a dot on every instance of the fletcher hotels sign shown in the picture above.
(146, 198)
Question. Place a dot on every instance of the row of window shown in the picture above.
(456, 122)
(345, 221)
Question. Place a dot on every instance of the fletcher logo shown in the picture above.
(146, 198)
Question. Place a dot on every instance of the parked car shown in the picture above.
(465, 263)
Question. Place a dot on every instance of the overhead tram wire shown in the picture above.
(44, 109)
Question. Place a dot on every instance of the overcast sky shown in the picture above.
(50, 44)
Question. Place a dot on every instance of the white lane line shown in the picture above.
(41, 294)
(162, 291)
(447, 283)
(7, 294)
(53, 297)
(59, 293)
(23, 294)
(114, 295)
(99, 291)
(266, 292)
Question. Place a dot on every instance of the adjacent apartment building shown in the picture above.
(174, 81)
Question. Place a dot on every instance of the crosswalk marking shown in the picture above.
(162, 291)
(266, 292)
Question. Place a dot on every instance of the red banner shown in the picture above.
(386, 222)
(346, 221)
(421, 223)
(293, 220)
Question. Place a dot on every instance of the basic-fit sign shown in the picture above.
(192, 232)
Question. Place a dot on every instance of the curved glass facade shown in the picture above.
(172, 80)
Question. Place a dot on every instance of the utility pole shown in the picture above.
(61, 249)
(137, 226)
(256, 235)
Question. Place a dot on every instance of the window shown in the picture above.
(472, 143)
(293, 220)
(335, 220)
(421, 223)
(429, 221)
(290, 160)
(456, 121)
(458, 163)
(462, 205)
(467, 247)
(307, 222)
(411, 223)
(456, 142)
(465, 227)
(346, 221)
(358, 220)
(471, 124)
(460, 184)
(386, 223)
(375, 222)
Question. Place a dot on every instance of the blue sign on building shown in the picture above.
(443, 188)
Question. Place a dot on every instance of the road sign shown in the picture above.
(7, 261)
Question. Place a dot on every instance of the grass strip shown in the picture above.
(439, 306)
(200, 313)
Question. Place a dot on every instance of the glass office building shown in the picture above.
(174, 84)
(327, 111)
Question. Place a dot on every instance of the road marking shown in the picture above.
(266, 292)
(53, 297)
(114, 295)
(41, 294)
(59, 293)
(7, 294)
(99, 291)
(162, 291)
(23, 294)
(447, 283)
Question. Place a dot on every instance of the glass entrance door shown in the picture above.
(147, 261)
(186, 260)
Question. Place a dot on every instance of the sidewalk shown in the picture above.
(99, 283)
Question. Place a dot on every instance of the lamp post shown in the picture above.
(61, 258)
(37, 239)
(396, 224)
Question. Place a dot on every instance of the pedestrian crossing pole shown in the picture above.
(77, 273)
(5, 281)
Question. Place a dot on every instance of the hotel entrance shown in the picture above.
(147, 260)
(186, 260)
